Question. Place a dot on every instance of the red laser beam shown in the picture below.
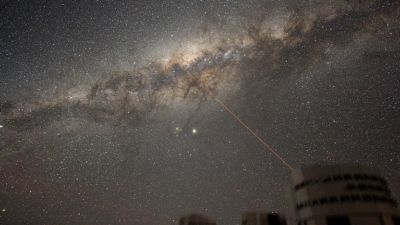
(237, 118)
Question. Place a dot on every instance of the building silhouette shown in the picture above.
(196, 219)
(340, 194)
(262, 218)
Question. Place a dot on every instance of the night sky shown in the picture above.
(101, 121)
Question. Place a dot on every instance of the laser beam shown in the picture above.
(238, 119)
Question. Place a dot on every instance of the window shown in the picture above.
(344, 198)
(376, 198)
(374, 178)
(355, 198)
(358, 176)
(333, 199)
(367, 177)
(383, 181)
(327, 180)
(314, 202)
(323, 201)
(351, 187)
(367, 198)
(337, 177)
(362, 187)
(347, 177)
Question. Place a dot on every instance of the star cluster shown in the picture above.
(101, 121)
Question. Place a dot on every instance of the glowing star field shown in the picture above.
(140, 112)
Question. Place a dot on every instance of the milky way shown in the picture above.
(101, 122)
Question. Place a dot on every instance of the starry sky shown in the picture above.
(102, 121)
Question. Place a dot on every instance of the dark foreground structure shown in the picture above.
(196, 219)
(327, 195)
(262, 218)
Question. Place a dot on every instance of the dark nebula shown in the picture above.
(101, 121)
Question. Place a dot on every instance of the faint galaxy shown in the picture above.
(102, 123)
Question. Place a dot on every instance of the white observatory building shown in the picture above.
(340, 194)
